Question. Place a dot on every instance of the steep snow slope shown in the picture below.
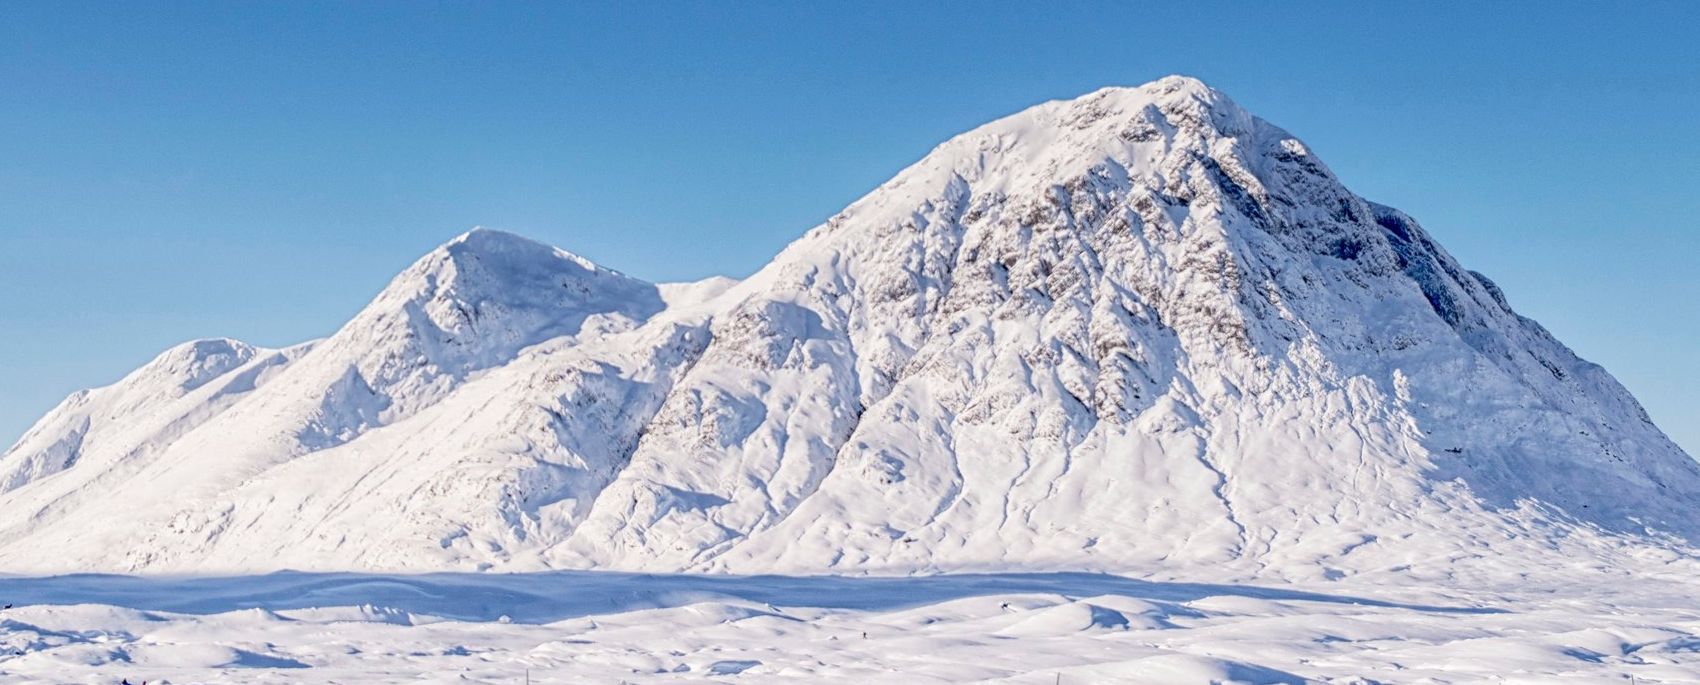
(1141, 329)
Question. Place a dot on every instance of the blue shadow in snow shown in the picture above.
(545, 597)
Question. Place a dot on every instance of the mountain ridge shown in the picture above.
(1140, 329)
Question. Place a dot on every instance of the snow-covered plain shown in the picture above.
(1142, 333)
(1042, 628)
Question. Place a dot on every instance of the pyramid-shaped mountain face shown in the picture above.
(1141, 329)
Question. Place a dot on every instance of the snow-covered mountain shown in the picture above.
(1140, 329)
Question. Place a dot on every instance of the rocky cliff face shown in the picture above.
(1142, 329)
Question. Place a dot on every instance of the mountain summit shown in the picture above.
(1138, 330)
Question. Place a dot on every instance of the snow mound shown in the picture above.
(1068, 618)
(1187, 668)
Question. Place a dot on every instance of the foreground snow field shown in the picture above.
(1041, 628)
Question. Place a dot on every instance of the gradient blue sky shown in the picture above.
(259, 170)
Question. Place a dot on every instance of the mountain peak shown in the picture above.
(484, 236)
(487, 267)
(192, 363)
(1174, 87)
(1152, 134)
(489, 243)
(1179, 82)
(475, 302)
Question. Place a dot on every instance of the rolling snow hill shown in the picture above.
(1142, 329)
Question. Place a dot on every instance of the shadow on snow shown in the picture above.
(550, 596)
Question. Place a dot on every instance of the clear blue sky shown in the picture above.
(258, 170)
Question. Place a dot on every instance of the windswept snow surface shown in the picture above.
(603, 627)
(1141, 332)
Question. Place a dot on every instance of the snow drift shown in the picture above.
(1140, 329)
